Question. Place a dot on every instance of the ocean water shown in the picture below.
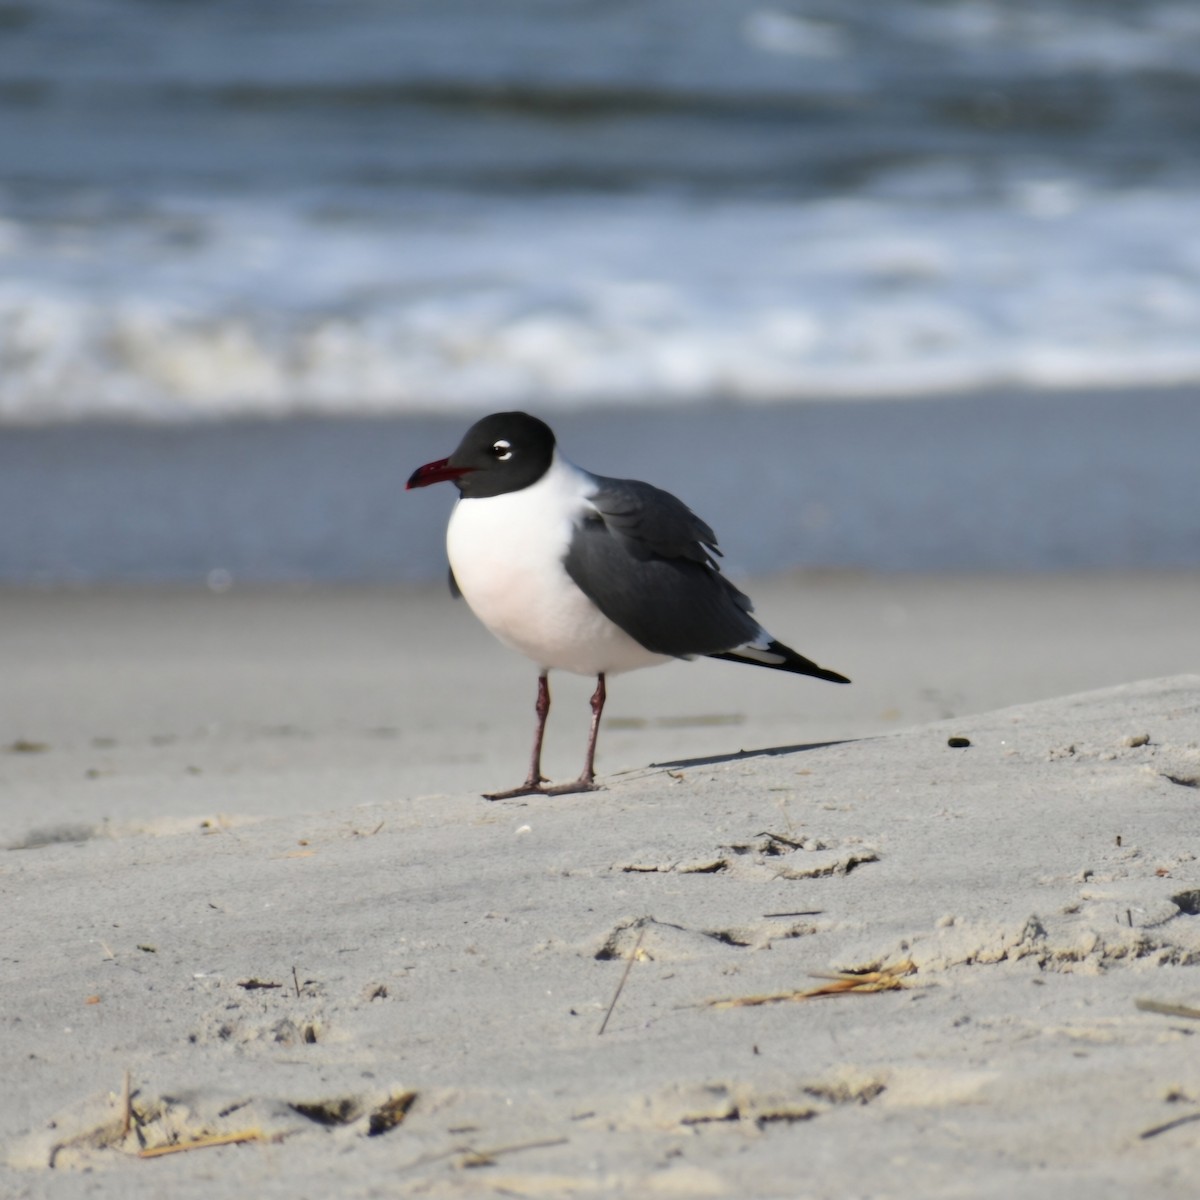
(220, 209)
(987, 482)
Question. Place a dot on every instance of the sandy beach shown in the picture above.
(247, 863)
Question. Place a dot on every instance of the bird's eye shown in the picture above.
(502, 450)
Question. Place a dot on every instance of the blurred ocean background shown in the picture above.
(931, 266)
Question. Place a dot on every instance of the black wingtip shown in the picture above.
(797, 664)
(805, 667)
(833, 677)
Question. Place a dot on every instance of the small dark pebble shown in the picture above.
(958, 743)
(27, 746)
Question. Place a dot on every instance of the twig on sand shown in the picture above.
(203, 1143)
(888, 979)
(485, 1158)
(480, 1158)
(296, 981)
(624, 976)
(1157, 1129)
(1167, 1010)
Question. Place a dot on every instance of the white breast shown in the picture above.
(507, 554)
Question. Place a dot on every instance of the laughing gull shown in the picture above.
(587, 574)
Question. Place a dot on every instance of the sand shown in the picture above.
(247, 863)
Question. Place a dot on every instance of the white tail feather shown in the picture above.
(758, 653)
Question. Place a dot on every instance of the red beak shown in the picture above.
(435, 472)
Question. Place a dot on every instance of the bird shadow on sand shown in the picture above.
(711, 760)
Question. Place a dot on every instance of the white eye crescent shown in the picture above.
(502, 450)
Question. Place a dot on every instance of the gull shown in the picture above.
(588, 574)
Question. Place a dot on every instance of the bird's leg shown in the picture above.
(598, 698)
(542, 708)
(535, 778)
(587, 781)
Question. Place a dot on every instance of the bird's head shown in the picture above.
(501, 453)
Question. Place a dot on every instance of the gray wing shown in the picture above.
(647, 562)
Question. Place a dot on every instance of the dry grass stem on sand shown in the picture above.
(889, 979)
(204, 1143)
